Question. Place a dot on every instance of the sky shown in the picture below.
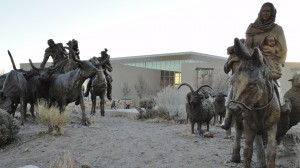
(134, 27)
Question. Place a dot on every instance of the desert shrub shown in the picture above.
(297, 148)
(65, 161)
(51, 117)
(169, 104)
(9, 127)
(147, 103)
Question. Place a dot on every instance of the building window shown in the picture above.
(169, 78)
(177, 78)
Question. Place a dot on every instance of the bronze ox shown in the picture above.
(255, 107)
(67, 87)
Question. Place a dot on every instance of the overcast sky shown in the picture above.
(134, 27)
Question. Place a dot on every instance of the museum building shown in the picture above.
(161, 70)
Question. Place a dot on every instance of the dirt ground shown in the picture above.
(119, 140)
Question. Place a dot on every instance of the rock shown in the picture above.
(29, 166)
(207, 135)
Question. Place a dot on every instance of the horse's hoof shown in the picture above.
(236, 159)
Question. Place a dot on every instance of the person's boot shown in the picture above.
(226, 123)
(108, 94)
(109, 88)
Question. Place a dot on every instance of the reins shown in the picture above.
(256, 108)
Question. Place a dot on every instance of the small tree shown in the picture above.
(126, 90)
(141, 87)
(219, 81)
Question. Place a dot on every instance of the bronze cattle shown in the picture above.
(66, 88)
(14, 92)
(254, 106)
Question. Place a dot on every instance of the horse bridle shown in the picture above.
(254, 108)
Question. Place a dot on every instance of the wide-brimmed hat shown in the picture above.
(295, 79)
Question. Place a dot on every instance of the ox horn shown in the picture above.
(187, 85)
(240, 50)
(12, 60)
(203, 87)
(32, 66)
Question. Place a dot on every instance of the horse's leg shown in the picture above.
(93, 104)
(248, 148)
(260, 152)
(236, 156)
(102, 101)
(271, 147)
(192, 127)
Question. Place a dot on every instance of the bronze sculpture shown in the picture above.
(256, 34)
(56, 51)
(255, 107)
(99, 86)
(107, 67)
(74, 45)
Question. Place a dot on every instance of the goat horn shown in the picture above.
(12, 60)
(203, 87)
(187, 85)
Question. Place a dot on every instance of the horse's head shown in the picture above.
(251, 82)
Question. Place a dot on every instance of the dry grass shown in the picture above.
(65, 161)
(52, 118)
(296, 138)
(122, 114)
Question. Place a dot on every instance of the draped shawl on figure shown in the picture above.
(261, 27)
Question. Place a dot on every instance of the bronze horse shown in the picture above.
(255, 107)
(99, 86)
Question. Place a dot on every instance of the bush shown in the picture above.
(147, 103)
(9, 127)
(169, 104)
(65, 161)
(52, 118)
(169, 101)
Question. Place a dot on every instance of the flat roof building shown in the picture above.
(161, 70)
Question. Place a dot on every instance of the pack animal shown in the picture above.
(254, 106)
(219, 104)
(14, 92)
(99, 86)
(290, 116)
(197, 108)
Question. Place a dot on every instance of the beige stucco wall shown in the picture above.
(128, 74)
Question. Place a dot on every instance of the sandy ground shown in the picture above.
(123, 142)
